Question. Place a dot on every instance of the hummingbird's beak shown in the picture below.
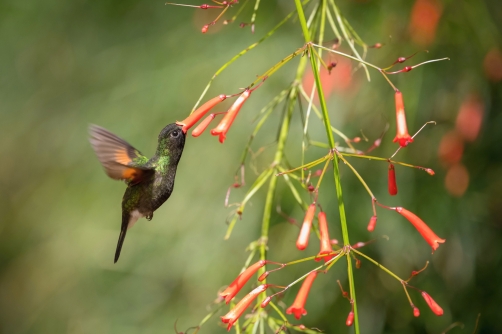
(183, 126)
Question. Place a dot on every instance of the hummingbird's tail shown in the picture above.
(128, 220)
(122, 236)
(126, 217)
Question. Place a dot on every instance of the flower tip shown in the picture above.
(222, 138)
(301, 246)
(430, 171)
(372, 223)
(204, 28)
(228, 321)
(416, 312)
(296, 311)
(435, 244)
(350, 319)
(403, 141)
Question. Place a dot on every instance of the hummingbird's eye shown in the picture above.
(175, 133)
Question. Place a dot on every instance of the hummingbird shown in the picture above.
(150, 182)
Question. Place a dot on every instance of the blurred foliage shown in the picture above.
(135, 66)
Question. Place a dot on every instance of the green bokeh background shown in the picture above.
(133, 67)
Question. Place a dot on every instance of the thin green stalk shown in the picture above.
(356, 173)
(278, 311)
(329, 133)
(255, 10)
(303, 22)
(377, 264)
(341, 206)
(370, 157)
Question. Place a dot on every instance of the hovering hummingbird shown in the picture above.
(150, 182)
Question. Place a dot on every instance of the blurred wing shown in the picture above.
(120, 160)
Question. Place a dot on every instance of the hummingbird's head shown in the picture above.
(171, 142)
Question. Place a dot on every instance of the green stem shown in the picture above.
(331, 139)
(303, 22)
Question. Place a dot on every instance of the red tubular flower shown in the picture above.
(350, 319)
(432, 304)
(202, 125)
(239, 282)
(432, 239)
(188, 122)
(231, 317)
(303, 237)
(229, 118)
(392, 180)
(325, 240)
(402, 135)
(372, 223)
(298, 307)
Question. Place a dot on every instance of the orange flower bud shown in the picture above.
(372, 223)
(350, 319)
(402, 136)
(432, 304)
(229, 118)
(325, 240)
(298, 307)
(231, 317)
(303, 237)
(432, 239)
(392, 181)
(202, 126)
(234, 287)
(188, 122)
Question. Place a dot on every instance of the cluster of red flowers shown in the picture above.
(224, 125)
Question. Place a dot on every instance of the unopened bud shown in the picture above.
(350, 319)
(372, 223)
(416, 312)
(265, 302)
(205, 28)
(263, 276)
(358, 245)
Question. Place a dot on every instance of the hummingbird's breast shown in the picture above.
(163, 185)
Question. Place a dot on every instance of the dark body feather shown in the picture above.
(150, 181)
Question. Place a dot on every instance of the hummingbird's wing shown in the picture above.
(120, 160)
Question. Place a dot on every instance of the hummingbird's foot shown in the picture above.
(149, 216)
